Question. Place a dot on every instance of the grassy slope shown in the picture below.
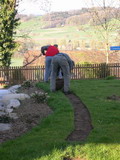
(33, 27)
(62, 35)
(83, 32)
(47, 140)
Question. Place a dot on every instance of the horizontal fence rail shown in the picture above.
(16, 75)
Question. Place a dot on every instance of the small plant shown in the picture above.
(4, 119)
(27, 84)
(110, 77)
(40, 97)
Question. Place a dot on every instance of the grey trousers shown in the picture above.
(60, 61)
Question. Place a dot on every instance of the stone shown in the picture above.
(9, 110)
(13, 103)
(2, 106)
(5, 126)
(2, 114)
(20, 96)
(13, 115)
(4, 92)
(9, 100)
(14, 88)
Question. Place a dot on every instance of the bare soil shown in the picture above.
(82, 120)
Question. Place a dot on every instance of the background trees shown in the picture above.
(105, 19)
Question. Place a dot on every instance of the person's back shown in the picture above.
(61, 61)
(70, 61)
(51, 51)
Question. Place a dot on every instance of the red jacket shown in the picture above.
(50, 50)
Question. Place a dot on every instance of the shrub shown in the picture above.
(110, 77)
(40, 97)
(27, 84)
(103, 71)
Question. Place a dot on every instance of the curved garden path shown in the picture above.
(82, 119)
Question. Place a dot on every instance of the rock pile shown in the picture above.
(9, 100)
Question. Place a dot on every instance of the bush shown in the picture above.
(110, 77)
(104, 71)
(27, 84)
(40, 97)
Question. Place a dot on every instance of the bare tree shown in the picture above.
(105, 17)
(44, 5)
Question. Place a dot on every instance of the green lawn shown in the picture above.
(47, 140)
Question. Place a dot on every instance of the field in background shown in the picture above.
(82, 42)
(85, 32)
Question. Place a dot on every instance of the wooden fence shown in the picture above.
(16, 75)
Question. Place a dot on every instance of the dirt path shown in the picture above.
(82, 120)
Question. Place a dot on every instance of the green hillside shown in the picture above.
(69, 26)
(72, 31)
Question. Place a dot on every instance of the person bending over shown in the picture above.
(65, 63)
(49, 51)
